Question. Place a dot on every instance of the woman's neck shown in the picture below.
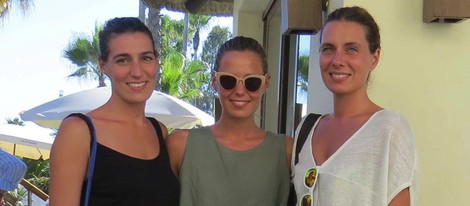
(354, 105)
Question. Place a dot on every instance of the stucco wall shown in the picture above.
(424, 74)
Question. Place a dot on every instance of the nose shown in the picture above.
(239, 87)
(338, 59)
(136, 69)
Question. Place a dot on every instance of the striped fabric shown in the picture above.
(12, 171)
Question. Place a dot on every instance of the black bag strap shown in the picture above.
(93, 145)
(303, 133)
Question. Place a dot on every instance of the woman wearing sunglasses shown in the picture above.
(361, 154)
(234, 162)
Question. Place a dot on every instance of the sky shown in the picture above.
(32, 69)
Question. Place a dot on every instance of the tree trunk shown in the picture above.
(155, 26)
(142, 8)
(185, 34)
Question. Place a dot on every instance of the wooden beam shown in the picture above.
(38, 192)
(194, 6)
(445, 11)
(301, 16)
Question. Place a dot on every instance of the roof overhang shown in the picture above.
(201, 7)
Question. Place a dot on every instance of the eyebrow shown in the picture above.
(347, 44)
(352, 44)
(127, 55)
(326, 44)
(121, 55)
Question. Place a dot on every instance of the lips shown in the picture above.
(339, 76)
(136, 84)
(239, 103)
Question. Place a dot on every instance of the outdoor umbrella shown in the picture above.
(171, 111)
(26, 141)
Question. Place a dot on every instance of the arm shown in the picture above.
(68, 164)
(289, 145)
(402, 198)
(176, 144)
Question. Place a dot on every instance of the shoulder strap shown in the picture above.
(158, 129)
(303, 133)
(93, 145)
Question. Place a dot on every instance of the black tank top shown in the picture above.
(123, 180)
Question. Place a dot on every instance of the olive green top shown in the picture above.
(214, 175)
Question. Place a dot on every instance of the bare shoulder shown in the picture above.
(178, 137)
(289, 141)
(289, 148)
(73, 137)
(72, 130)
(289, 145)
(176, 145)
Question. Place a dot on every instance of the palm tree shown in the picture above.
(83, 52)
(154, 23)
(7, 5)
(16, 121)
(197, 23)
(172, 37)
(216, 37)
(302, 79)
(182, 78)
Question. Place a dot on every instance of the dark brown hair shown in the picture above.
(362, 17)
(241, 43)
(121, 25)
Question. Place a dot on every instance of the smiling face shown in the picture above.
(345, 58)
(239, 102)
(131, 66)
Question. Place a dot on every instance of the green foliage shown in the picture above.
(190, 79)
(83, 53)
(7, 5)
(182, 78)
(38, 173)
(302, 68)
(18, 194)
(16, 121)
(197, 23)
(41, 182)
(172, 36)
(215, 38)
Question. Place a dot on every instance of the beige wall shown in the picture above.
(424, 73)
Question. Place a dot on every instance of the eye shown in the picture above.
(326, 50)
(352, 50)
(122, 60)
(148, 58)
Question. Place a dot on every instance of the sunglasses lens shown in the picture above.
(306, 200)
(227, 82)
(310, 177)
(252, 84)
